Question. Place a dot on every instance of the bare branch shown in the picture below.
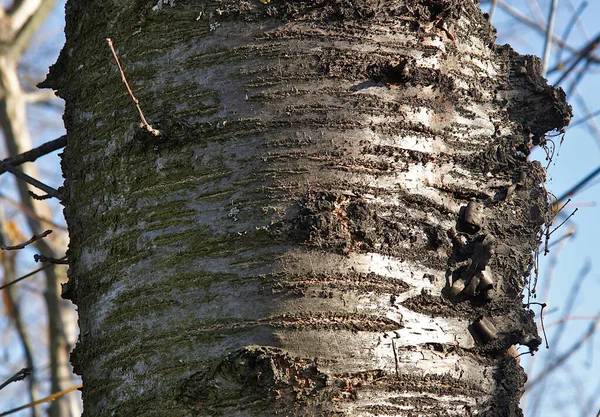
(21, 11)
(42, 258)
(562, 358)
(579, 77)
(578, 186)
(567, 235)
(39, 96)
(19, 376)
(493, 9)
(145, 123)
(29, 213)
(564, 221)
(32, 18)
(32, 273)
(39, 197)
(540, 28)
(584, 53)
(571, 318)
(35, 153)
(535, 8)
(584, 119)
(21, 175)
(43, 400)
(28, 242)
(570, 25)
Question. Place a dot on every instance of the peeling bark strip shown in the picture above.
(326, 171)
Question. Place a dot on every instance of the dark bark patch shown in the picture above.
(431, 10)
(342, 321)
(326, 10)
(322, 283)
(347, 223)
(392, 73)
(260, 375)
(381, 68)
(406, 71)
(531, 102)
(436, 306)
(344, 10)
(510, 379)
(506, 155)
(434, 384)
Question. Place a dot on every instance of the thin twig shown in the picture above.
(584, 53)
(567, 235)
(35, 153)
(546, 284)
(145, 123)
(21, 175)
(535, 8)
(564, 221)
(543, 305)
(570, 25)
(32, 273)
(42, 258)
(549, 221)
(584, 119)
(582, 72)
(43, 400)
(533, 24)
(558, 333)
(571, 318)
(591, 124)
(19, 376)
(28, 242)
(550, 216)
(590, 402)
(29, 213)
(38, 197)
(579, 185)
(562, 358)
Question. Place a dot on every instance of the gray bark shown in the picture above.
(296, 241)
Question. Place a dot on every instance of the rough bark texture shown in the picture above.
(298, 239)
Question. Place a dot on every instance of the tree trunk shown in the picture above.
(337, 217)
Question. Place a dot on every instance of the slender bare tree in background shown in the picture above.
(18, 22)
(327, 208)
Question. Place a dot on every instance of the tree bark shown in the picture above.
(337, 218)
